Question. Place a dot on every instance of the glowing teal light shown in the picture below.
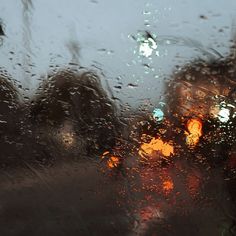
(158, 114)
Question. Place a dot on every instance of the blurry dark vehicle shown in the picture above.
(72, 112)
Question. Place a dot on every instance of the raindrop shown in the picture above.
(103, 50)
(1, 31)
(146, 12)
(131, 85)
(117, 87)
(203, 17)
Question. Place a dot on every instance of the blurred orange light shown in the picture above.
(194, 127)
(168, 185)
(156, 144)
(112, 161)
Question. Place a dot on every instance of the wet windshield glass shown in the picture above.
(118, 117)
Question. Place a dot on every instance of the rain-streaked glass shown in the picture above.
(118, 117)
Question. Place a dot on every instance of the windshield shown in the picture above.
(118, 117)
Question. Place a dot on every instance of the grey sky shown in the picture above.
(57, 25)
